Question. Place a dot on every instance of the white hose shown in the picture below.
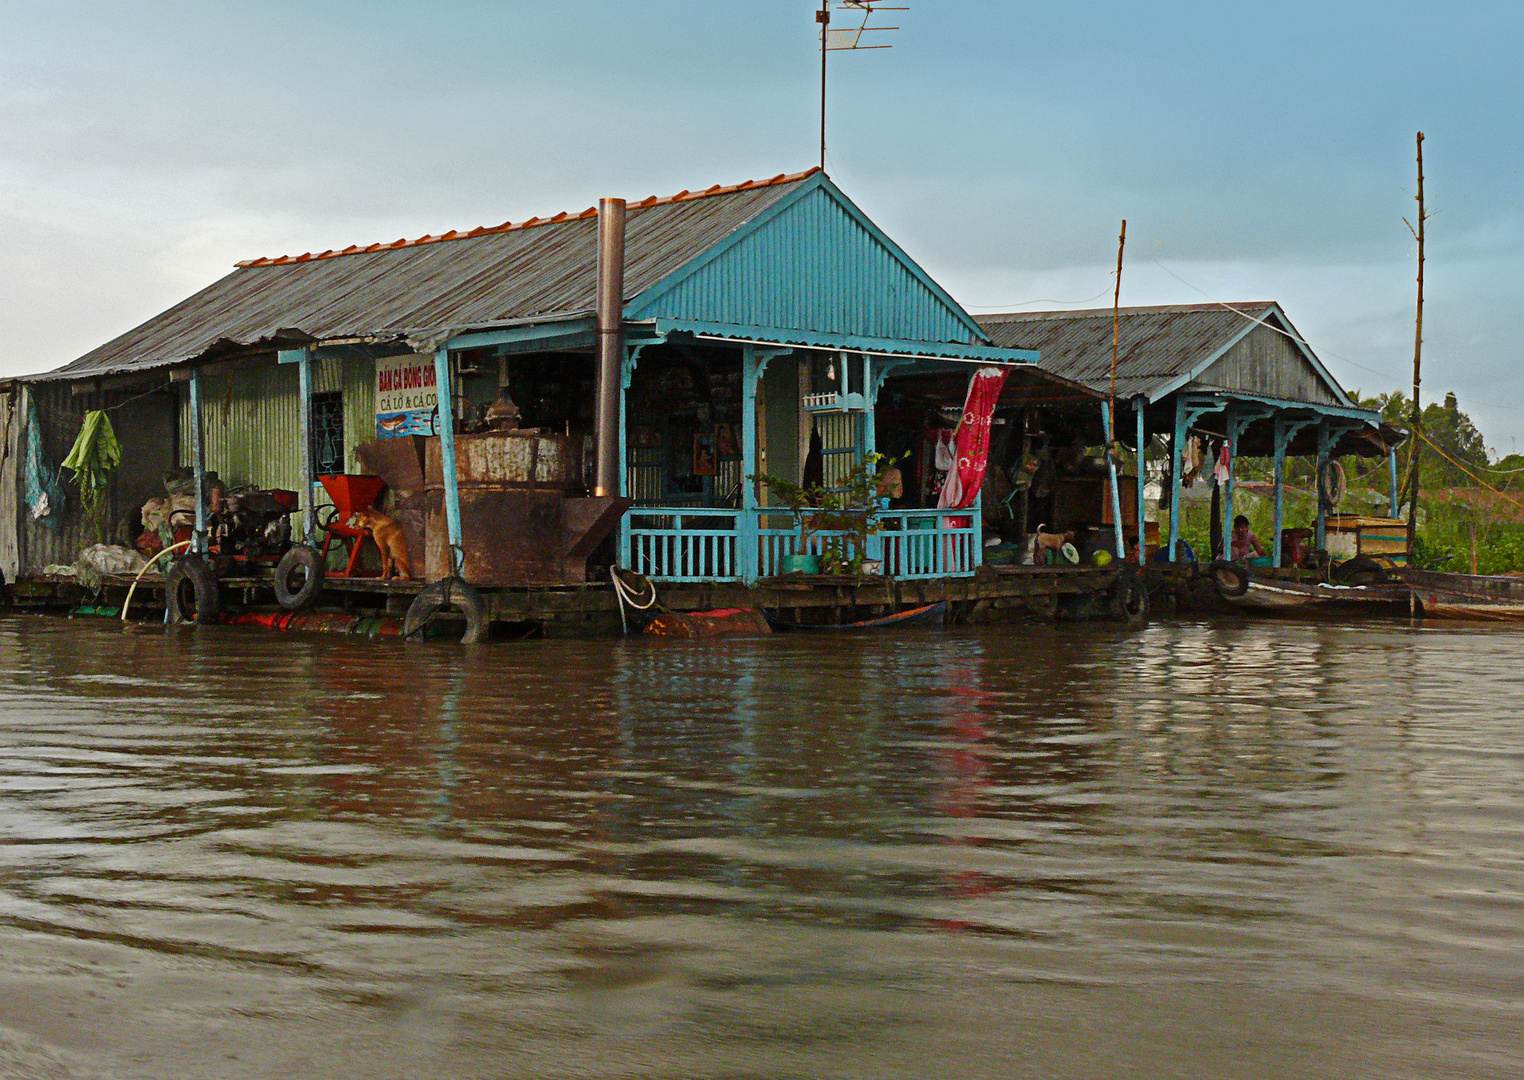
(134, 586)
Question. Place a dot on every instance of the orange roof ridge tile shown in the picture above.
(508, 226)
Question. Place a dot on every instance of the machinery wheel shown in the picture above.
(299, 577)
(451, 594)
(1229, 578)
(1361, 570)
(1129, 600)
(190, 592)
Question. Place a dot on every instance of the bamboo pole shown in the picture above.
(1116, 324)
(1416, 439)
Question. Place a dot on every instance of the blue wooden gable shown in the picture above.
(815, 265)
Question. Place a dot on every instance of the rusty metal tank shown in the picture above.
(523, 518)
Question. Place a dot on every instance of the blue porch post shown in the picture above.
(447, 456)
(1142, 437)
(1176, 459)
(198, 460)
(872, 381)
(1281, 438)
(746, 524)
(1227, 489)
(304, 403)
(1323, 446)
(1111, 472)
(1391, 464)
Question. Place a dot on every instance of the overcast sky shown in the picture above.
(1258, 152)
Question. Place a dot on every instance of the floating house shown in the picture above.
(589, 387)
(1237, 374)
(548, 398)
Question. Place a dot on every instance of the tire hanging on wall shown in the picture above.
(299, 577)
(1333, 484)
(190, 592)
(447, 595)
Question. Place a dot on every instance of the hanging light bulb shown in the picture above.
(831, 371)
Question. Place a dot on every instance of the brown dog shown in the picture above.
(1044, 540)
(389, 540)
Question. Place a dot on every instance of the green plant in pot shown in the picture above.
(848, 515)
(802, 501)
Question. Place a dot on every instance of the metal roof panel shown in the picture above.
(538, 270)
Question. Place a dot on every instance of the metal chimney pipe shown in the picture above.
(610, 342)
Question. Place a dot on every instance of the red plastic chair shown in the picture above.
(349, 492)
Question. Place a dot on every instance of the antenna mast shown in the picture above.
(842, 40)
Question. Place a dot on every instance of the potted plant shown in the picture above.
(848, 514)
(801, 500)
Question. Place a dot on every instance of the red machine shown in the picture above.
(349, 493)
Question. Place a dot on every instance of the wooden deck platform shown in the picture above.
(993, 594)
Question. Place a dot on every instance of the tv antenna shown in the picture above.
(849, 39)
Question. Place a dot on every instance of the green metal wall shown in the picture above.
(815, 264)
(253, 427)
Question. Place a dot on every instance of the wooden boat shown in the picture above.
(1295, 595)
(701, 624)
(930, 615)
(1467, 596)
(1236, 585)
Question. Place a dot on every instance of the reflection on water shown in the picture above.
(1206, 849)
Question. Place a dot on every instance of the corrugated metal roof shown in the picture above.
(535, 271)
(1158, 345)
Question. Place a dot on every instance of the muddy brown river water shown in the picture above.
(1223, 849)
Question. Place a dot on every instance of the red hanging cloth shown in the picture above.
(972, 440)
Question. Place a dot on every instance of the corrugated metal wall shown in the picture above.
(1268, 363)
(145, 427)
(253, 426)
(813, 267)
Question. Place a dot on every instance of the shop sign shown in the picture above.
(407, 399)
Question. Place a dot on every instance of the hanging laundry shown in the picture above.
(44, 498)
(96, 454)
(972, 439)
(1224, 465)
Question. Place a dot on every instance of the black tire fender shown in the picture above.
(1129, 600)
(1229, 578)
(299, 577)
(450, 593)
(190, 591)
(1361, 570)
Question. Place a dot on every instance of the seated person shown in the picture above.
(1245, 543)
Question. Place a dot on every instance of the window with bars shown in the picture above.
(327, 449)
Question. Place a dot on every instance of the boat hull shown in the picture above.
(1467, 596)
(1286, 596)
(928, 615)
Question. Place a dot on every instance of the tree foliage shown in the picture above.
(1447, 427)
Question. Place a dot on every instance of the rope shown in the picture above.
(626, 597)
(1441, 452)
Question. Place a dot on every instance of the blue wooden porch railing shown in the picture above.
(670, 543)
